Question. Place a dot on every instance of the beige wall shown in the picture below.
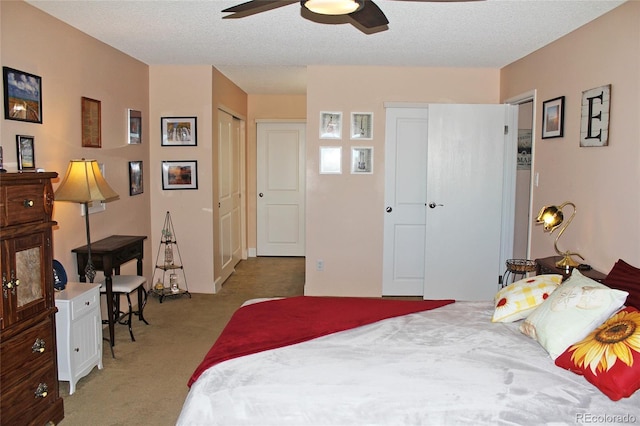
(345, 213)
(194, 213)
(73, 65)
(265, 107)
(184, 91)
(602, 182)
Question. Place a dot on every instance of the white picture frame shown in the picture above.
(330, 125)
(330, 160)
(361, 160)
(362, 125)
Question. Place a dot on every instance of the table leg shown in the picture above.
(139, 266)
(108, 283)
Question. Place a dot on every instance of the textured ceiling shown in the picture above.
(268, 52)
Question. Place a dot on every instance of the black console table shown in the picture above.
(108, 255)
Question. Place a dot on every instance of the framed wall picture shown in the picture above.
(362, 125)
(553, 118)
(22, 96)
(179, 131)
(362, 160)
(25, 149)
(594, 120)
(134, 126)
(330, 125)
(91, 123)
(136, 184)
(180, 174)
(331, 160)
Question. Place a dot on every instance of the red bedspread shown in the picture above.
(276, 323)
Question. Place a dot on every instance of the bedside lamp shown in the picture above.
(551, 217)
(83, 183)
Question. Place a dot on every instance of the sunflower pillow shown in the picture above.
(609, 357)
(515, 301)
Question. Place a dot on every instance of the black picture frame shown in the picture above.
(25, 150)
(179, 175)
(22, 96)
(179, 131)
(553, 118)
(136, 180)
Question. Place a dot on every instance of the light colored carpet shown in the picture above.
(146, 383)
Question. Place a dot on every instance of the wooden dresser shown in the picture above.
(28, 368)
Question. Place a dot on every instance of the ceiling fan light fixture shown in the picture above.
(333, 7)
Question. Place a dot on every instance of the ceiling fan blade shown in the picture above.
(370, 16)
(254, 6)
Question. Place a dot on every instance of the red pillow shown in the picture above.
(627, 278)
(609, 357)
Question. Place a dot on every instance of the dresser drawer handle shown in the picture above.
(38, 346)
(42, 391)
(28, 203)
(11, 284)
(87, 303)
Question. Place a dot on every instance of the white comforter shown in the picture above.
(446, 366)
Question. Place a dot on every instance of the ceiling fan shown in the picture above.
(363, 14)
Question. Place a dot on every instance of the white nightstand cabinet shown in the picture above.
(79, 332)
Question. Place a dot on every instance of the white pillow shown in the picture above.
(517, 300)
(570, 313)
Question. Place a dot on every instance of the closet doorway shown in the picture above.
(230, 205)
(448, 176)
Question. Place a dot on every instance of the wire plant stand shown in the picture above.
(169, 263)
(517, 267)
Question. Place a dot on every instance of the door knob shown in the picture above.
(389, 209)
(261, 195)
(434, 205)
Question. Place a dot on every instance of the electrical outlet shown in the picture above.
(319, 265)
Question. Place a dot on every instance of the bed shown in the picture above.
(446, 364)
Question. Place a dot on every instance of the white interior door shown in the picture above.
(229, 192)
(281, 189)
(466, 191)
(405, 200)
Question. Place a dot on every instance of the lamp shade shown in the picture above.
(550, 217)
(333, 7)
(84, 183)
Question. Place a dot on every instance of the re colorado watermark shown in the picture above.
(591, 418)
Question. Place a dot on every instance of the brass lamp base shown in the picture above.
(567, 262)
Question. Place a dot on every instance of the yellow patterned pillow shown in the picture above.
(517, 300)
